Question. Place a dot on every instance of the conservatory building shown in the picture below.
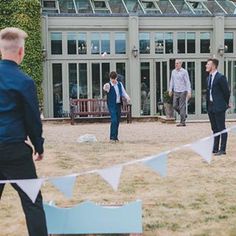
(83, 40)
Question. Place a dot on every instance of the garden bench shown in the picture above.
(95, 108)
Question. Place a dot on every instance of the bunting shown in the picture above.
(65, 184)
(111, 175)
(31, 187)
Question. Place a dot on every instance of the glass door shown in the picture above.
(162, 72)
(230, 73)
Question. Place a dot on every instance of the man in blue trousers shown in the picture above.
(115, 91)
(19, 120)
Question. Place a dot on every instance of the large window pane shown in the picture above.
(168, 43)
(203, 87)
(71, 43)
(229, 42)
(105, 43)
(83, 87)
(145, 88)
(159, 43)
(96, 80)
(56, 43)
(95, 46)
(66, 6)
(158, 86)
(120, 43)
(191, 72)
(181, 42)
(73, 90)
(83, 6)
(57, 89)
(105, 75)
(120, 69)
(144, 43)
(204, 42)
(82, 43)
(191, 47)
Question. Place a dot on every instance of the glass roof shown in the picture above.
(140, 7)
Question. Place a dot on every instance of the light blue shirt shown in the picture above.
(179, 81)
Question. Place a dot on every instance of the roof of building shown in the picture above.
(139, 7)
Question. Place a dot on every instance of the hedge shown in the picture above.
(25, 14)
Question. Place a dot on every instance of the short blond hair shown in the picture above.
(11, 39)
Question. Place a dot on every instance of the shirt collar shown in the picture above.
(8, 62)
(214, 74)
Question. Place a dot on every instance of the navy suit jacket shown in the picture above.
(220, 94)
(19, 110)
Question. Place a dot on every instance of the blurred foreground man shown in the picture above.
(19, 119)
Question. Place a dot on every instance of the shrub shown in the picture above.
(25, 14)
(167, 98)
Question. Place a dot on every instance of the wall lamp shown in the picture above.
(222, 49)
(44, 53)
(135, 51)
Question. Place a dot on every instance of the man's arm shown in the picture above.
(124, 93)
(225, 88)
(171, 84)
(32, 119)
(188, 84)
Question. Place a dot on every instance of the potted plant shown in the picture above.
(168, 105)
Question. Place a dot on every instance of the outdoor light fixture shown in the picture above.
(135, 51)
(221, 50)
(44, 53)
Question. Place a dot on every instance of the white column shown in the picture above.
(134, 65)
(218, 40)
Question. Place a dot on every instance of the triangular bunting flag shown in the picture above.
(204, 148)
(31, 187)
(65, 184)
(158, 163)
(111, 175)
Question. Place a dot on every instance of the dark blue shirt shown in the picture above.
(19, 110)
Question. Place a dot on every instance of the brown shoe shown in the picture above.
(181, 125)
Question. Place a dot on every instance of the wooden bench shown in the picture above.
(95, 108)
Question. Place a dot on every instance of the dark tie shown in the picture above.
(209, 81)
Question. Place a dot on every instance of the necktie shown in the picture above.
(209, 81)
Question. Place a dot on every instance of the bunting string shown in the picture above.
(157, 162)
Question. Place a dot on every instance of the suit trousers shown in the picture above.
(217, 120)
(115, 113)
(16, 162)
(179, 104)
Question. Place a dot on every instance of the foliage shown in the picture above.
(25, 14)
(167, 98)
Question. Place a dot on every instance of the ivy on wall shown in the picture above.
(25, 14)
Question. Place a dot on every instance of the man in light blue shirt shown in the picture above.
(180, 88)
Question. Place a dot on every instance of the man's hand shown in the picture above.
(128, 100)
(106, 87)
(38, 157)
(170, 93)
(189, 95)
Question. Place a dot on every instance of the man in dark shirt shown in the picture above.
(19, 120)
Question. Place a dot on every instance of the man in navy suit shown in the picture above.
(19, 120)
(115, 91)
(218, 95)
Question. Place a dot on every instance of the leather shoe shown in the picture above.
(215, 151)
(180, 125)
(220, 153)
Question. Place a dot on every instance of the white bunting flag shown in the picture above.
(31, 187)
(204, 148)
(111, 175)
(158, 163)
(65, 184)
